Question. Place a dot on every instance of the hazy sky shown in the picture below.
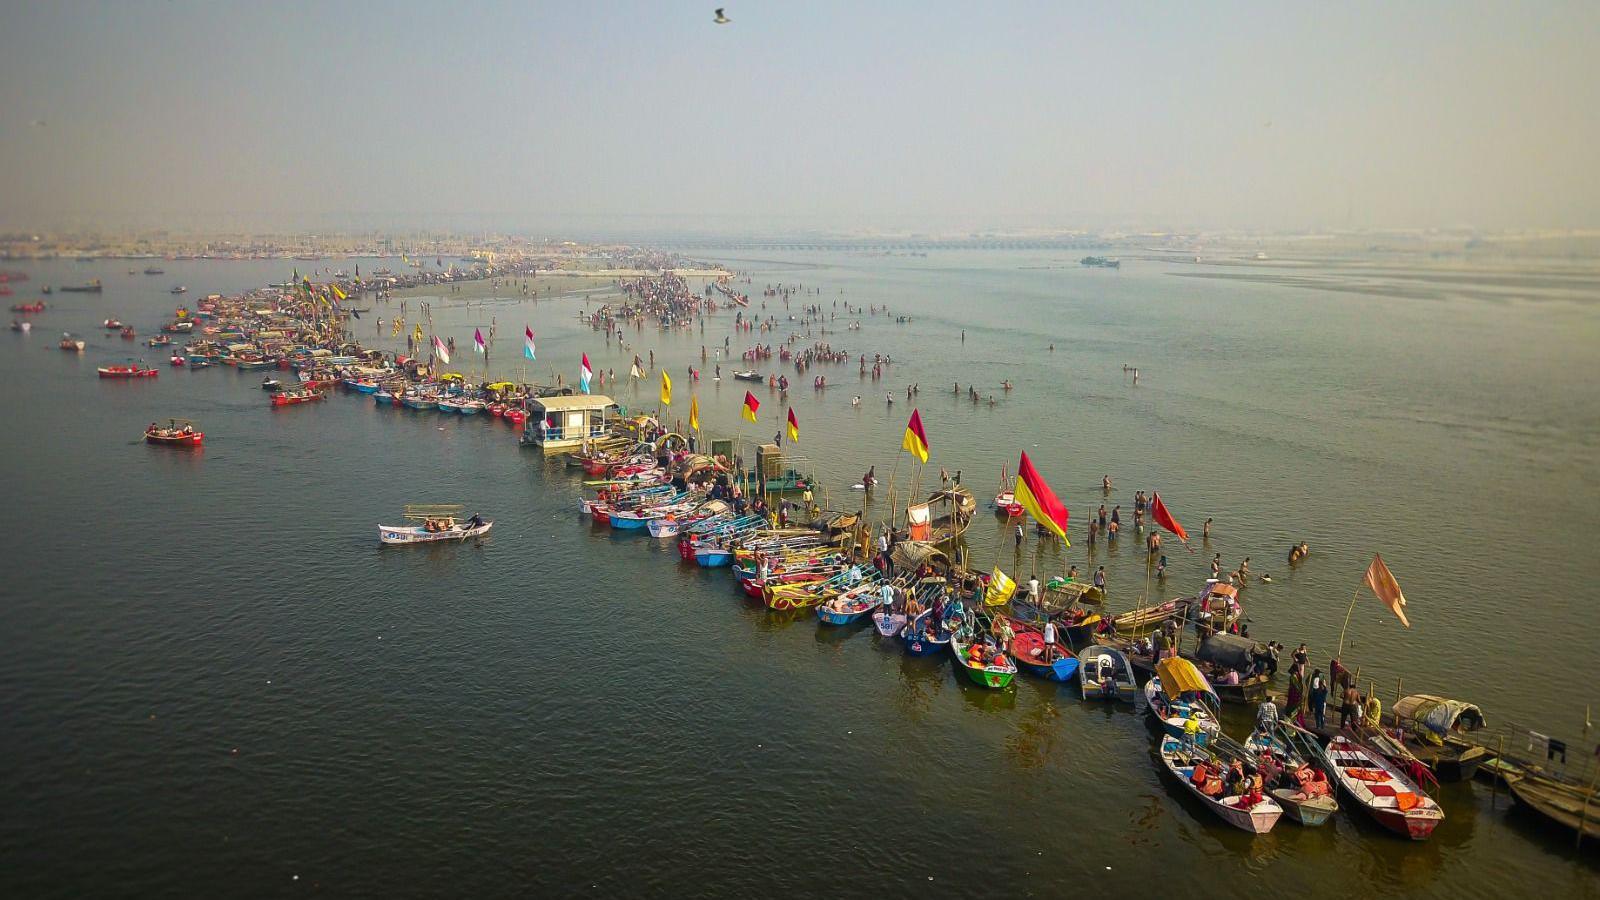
(914, 115)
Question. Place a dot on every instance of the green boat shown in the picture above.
(981, 659)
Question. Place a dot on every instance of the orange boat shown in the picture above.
(290, 398)
(177, 433)
(127, 372)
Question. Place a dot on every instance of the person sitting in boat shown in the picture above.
(153, 429)
(476, 521)
(1250, 794)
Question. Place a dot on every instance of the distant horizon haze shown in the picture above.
(827, 117)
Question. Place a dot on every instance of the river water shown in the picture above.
(217, 682)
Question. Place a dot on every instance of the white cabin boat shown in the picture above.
(560, 424)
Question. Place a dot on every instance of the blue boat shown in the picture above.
(923, 637)
(1053, 662)
(850, 607)
(713, 557)
(418, 401)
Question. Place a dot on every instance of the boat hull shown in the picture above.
(412, 534)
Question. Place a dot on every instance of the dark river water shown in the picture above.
(216, 683)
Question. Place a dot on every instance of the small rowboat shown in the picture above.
(1052, 662)
(851, 606)
(111, 324)
(177, 433)
(1375, 785)
(129, 371)
(1256, 818)
(28, 307)
(1104, 673)
(438, 524)
(128, 333)
(923, 637)
(71, 344)
(987, 665)
(1303, 792)
(178, 327)
(290, 398)
(1177, 689)
(748, 376)
(160, 340)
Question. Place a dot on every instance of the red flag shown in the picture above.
(915, 441)
(794, 426)
(751, 404)
(1158, 511)
(1037, 498)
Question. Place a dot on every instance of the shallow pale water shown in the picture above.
(216, 681)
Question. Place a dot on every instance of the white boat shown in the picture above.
(1256, 819)
(419, 534)
(438, 523)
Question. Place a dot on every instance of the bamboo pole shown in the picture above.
(1354, 595)
(1499, 756)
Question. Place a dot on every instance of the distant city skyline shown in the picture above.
(938, 118)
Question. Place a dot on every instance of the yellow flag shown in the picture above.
(666, 389)
(417, 334)
(1000, 589)
(694, 412)
(338, 293)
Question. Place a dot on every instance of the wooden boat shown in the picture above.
(127, 371)
(924, 637)
(1303, 791)
(1255, 818)
(291, 398)
(1376, 785)
(985, 663)
(28, 308)
(177, 433)
(942, 518)
(180, 289)
(1572, 806)
(1234, 653)
(128, 333)
(177, 360)
(160, 340)
(91, 287)
(1432, 728)
(1177, 689)
(271, 384)
(111, 324)
(1052, 662)
(1104, 673)
(438, 523)
(888, 624)
(748, 376)
(179, 327)
(850, 607)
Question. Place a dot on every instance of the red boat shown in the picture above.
(515, 416)
(127, 372)
(1375, 784)
(111, 324)
(178, 361)
(178, 433)
(127, 333)
(290, 398)
(28, 307)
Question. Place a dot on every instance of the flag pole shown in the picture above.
(1354, 595)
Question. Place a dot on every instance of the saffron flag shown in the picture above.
(441, 350)
(527, 342)
(1382, 582)
(1158, 511)
(916, 440)
(1036, 497)
(1001, 587)
(751, 404)
(477, 342)
(666, 389)
(694, 413)
(584, 374)
(794, 426)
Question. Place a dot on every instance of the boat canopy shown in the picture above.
(450, 376)
(1179, 677)
(911, 554)
(500, 385)
(1439, 715)
(1229, 650)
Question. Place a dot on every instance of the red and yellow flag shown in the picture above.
(794, 426)
(1158, 511)
(751, 404)
(694, 413)
(1382, 582)
(1037, 498)
(916, 440)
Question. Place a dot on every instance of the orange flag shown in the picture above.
(1382, 582)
